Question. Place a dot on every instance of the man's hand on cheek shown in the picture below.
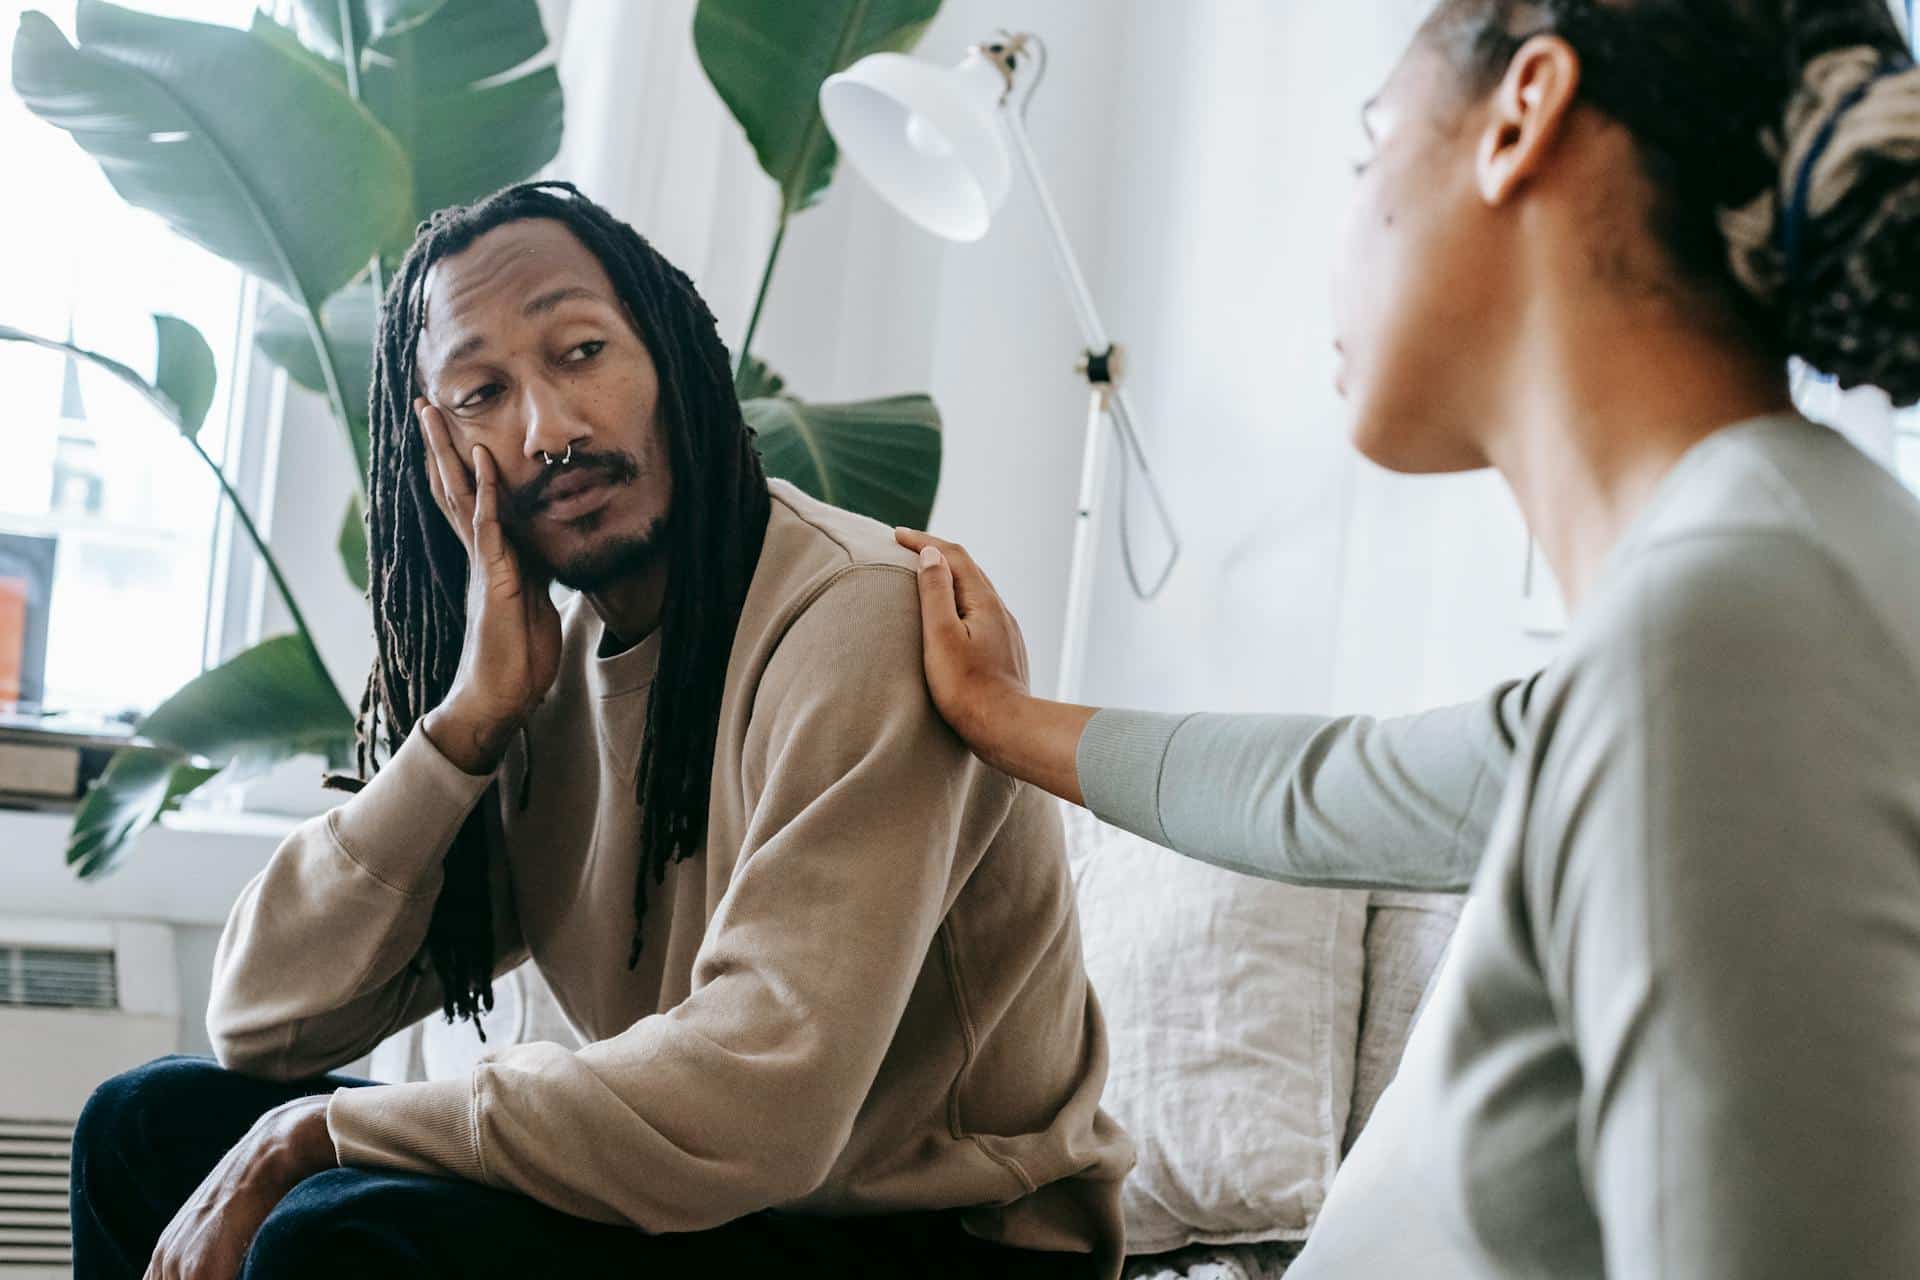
(209, 1237)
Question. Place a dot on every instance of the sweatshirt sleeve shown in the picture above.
(869, 813)
(1403, 803)
(1721, 871)
(323, 954)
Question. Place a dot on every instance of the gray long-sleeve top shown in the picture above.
(1678, 1031)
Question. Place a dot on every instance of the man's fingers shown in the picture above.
(489, 543)
(455, 485)
(432, 446)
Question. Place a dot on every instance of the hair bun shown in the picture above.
(1834, 248)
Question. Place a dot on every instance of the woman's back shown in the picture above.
(1682, 1002)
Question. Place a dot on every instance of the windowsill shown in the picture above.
(182, 872)
(244, 823)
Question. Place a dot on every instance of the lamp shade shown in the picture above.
(928, 138)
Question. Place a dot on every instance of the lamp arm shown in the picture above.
(1064, 259)
(1095, 333)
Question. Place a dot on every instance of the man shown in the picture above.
(826, 966)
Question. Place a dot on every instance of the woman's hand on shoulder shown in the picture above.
(976, 664)
(976, 658)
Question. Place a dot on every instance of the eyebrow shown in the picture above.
(537, 305)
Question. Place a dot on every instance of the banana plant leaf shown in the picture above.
(256, 709)
(348, 319)
(880, 458)
(264, 705)
(139, 784)
(767, 59)
(195, 123)
(184, 370)
(352, 544)
(756, 380)
(182, 389)
(443, 88)
(372, 20)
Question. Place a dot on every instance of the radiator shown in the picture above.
(80, 1000)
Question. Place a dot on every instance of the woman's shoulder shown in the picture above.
(1774, 541)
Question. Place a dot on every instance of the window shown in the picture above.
(131, 518)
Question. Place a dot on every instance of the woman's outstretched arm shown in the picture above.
(1399, 803)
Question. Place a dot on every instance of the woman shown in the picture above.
(1678, 1033)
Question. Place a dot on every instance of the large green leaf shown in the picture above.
(139, 784)
(880, 458)
(259, 707)
(237, 144)
(468, 40)
(185, 370)
(352, 544)
(348, 321)
(444, 89)
(266, 704)
(319, 20)
(756, 379)
(768, 58)
(183, 384)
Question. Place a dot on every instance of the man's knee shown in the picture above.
(340, 1221)
(115, 1115)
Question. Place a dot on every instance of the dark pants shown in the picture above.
(148, 1136)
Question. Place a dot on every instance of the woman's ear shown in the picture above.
(1528, 113)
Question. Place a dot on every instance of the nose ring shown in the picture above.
(546, 459)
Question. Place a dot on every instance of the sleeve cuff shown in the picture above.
(426, 1127)
(1119, 762)
(399, 825)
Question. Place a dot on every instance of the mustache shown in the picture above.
(617, 465)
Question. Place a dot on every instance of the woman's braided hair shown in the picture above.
(1784, 139)
(417, 567)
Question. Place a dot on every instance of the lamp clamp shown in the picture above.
(1103, 369)
(1005, 51)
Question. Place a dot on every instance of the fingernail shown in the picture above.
(929, 556)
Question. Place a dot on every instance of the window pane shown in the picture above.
(130, 508)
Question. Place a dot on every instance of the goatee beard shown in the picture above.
(613, 561)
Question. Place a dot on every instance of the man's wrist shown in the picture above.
(473, 744)
(301, 1144)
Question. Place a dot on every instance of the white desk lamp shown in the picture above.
(933, 141)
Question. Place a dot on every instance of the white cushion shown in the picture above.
(1233, 1007)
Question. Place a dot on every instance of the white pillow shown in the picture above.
(1233, 1007)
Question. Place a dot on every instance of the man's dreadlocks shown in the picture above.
(417, 565)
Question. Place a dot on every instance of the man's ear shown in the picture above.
(1528, 114)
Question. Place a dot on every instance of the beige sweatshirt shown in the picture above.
(867, 996)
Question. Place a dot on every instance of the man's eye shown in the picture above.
(591, 347)
(478, 397)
